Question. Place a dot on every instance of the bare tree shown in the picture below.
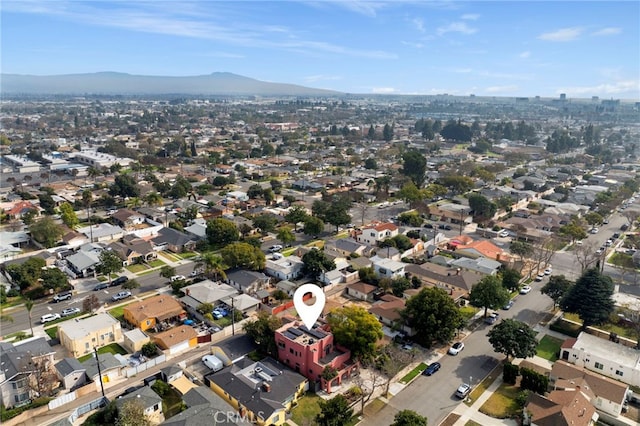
(90, 303)
(631, 216)
(362, 208)
(586, 255)
(631, 317)
(43, 379)
(368, 381)
(542, 254)
(392, 360)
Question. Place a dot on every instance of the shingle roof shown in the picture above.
(68, 366)
(160, 307)
(107, 362)
(145, 395)
(174, 336)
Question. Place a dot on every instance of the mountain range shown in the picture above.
(114, 83)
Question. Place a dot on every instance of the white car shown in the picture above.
(463, 390)
(70, 311)
(540, 276)
(548, 271)
(176, 278)
(456, 348)
(504, 233)
(275, 248)
(121, 295)
(49, 317)
(526, 289)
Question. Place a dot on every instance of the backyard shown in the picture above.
(113, 348)
(549, 348)
(307, 410)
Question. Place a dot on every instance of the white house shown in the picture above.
(284, 268)
(387, 268)
(371, 235)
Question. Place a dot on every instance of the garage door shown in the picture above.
(179, 348)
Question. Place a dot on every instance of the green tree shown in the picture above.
(457, 184)
(262, 332)
(68, 215)
(316, 262)
(28, 305)
(590, 297)
(243, 255)
(167, 271)
(573, 230)
(109, 263)
(556, 288)
(131, 285)
(297, 214)
(408, 418)
(154, 199)
(334, 411)
(433, 315)
(221, 232)
(593, 218)
(410, 218)
(414, 166)
(513, 338)
(387, 133)
(131, 413)
(488, 293)
(481, 206)
(212, 264)
(53, 278)
(510, 279)
(124, 185)
(149, 349)
(46, 232)
(370, 164)
(356, 329)
(265, 223)
(313, 226)
(286, 236)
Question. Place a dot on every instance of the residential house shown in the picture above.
(151, 403)
(482, 248)
(20, 208)
(171, 373)
(559, 408)
(284, 268)
(71, 373)
(262, 391)
(198, 228)
(603, 357)
(153, 311)
(287, 286)
(74, 239)
(453, 280)
(607, 395)
(360, 263)
(450, 212)
(310, 351)
(173, 240)
(347, 247)
(362, 291)
(134, 340)
(101, 232)
(205, 291)
(387, 268)
(204, 408)
(177, 339)
(84, 262)
(82, 336)
(247, 281)
(373, 234)
(127, 219)
(244, 303)
(133, 250)
(388, 309)
(479, 265)
(20, 363)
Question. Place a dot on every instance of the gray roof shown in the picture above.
(206, 292)
(68, 366)
(145, 395)
(203, 405)
(348, 244)
(170, 370)
(172, 237)
(83, 260)
(246, 278)
(107, 362)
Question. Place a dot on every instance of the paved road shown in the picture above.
(433, 396)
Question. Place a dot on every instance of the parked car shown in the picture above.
(526, 289)
(456, 348)
(121, 295)
(119, 280)
(508, 306)
(407, 347)
(49, 317)
(624, 227)
(445, 227)
(492, 318)
(615, 235)
(428, 225)
(100, 286)
(432, 369)
(70, 311)
(212, 362)
(540, 276)
(594, 230)
(463, 390)
(177, 277)
(549, 270)
(504, 233)
(66, 295)
(275, 248)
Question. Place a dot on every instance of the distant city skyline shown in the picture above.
(545, 48)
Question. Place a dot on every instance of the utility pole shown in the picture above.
(99, 371)
(233, 317)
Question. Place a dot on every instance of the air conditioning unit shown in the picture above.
(258, 369)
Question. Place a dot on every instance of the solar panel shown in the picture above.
(289, 335)
(295, 331)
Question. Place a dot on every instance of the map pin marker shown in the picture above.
(309, 313)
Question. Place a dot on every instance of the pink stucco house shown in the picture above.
(309, 352)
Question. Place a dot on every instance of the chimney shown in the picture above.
(266, 387)
(187, 291)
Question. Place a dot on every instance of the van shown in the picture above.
(212, 362)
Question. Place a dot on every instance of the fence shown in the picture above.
(130, 372)
(62, 399)
(84, 409)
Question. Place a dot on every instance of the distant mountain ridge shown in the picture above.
(115, 83)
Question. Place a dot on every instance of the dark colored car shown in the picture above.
(119, 280)
(445, 227)
(431, 369)
(101, 286)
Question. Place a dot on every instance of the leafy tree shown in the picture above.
(334, 411)
(153, 199)
(414, 166)
(124, 185)
(593, 218)
(131, 285)
(149, 349)
(387, 132)
(370, 164)
(90, 303)
(316, 262)
(262, 331)
(213, 265)
(402, 242)
(286, 236)
(456, 183)
(481, 206)
(488, 293)
(46, 232)
(167, 271)
(237, 255)
(399, 285)
(335, 213)
(411, 194)
(313, 225)
(109, 263)
(368, 275)
(265, 222)
(68, 215)
(590, 297)
(408, 418)
(54, 278)
(221, 232)
(573, 230)
(521, 248)
(410, 218)
(356, 329)
(27, 274)
(456, 131)
(47, 203)
(433, 315)
(131, 413)
(556, 288)
(254, 191)
(513, 338)
(510, 279)
(296, 214)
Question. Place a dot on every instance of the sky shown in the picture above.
(514, 48)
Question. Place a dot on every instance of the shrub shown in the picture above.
(149, 350)
(161, 388)
(522, 396)
(510, 373)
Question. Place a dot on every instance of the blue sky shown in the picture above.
(515, 48)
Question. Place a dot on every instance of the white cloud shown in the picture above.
(525, 54)
(470, 16)
(607, 31)
(501, 89)
(383, 90)
(631, 87)
(456, 27)
(563, 34)
(419, 24)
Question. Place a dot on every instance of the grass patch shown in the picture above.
(468, 312)
(156, 263)
(11, 302)
(306, 410)
(169, 256)
(316, 243)
(137, 267)
(188, 254)
(484, 384)
(374, 407)
(255, 356)
(549, 348)
(171, 403)
(147, 272)
(223, 322)
(502, 403)
(117, 313)
(52, 332)
(289, 251)
(113, 348)
(413, 373)
(17, 336)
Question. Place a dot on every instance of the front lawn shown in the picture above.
(118, 312)
(137, 267)
(549, 348)
(413, 373)
(483, 385)
(188, 254)
(52, 332)
(468, 312)
(502, 403)
(306, 410)
(113, 348)
(156, 263)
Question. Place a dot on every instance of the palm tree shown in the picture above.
(28, 304)
(154, 199)
(213, 265)
(93, 172)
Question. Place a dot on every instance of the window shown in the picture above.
(599, 366)
(290, 350)
(619, 373)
